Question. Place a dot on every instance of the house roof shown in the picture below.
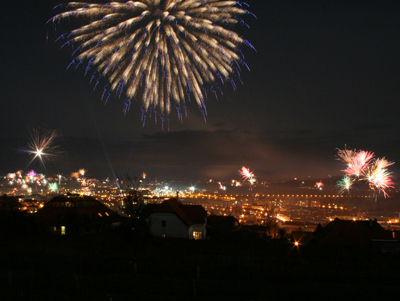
(189, 214)
(62, 206)
(350, 233)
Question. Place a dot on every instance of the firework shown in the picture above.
(381, 163)
(252, 181)
(346, 155)
(53, 187)
(363, 166)
(319, 185)
(221, 187)
(32, 174)
(80, 177)
(344, 184)
(236, 183)
(379, 177)
(247, 175)
(41, 144)
(359, 163)
(15, 178)
(75, 175)
(26, 181)
(164, 51)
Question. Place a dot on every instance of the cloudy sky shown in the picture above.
(325, 74)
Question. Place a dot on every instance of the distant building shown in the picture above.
(356, 234)
(66, 214)
(173, 219)
(293, 226)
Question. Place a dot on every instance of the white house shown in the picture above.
(173, 219)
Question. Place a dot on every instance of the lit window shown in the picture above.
(197, 235)
(99, 214)
(62, 230)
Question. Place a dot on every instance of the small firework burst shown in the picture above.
(42, 145)
(247, 175)
(361, 165)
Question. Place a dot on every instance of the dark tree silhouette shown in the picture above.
(134, 225)
(133, 202)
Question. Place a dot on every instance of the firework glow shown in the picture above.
(26, 181)
(164, 51)
(236, 183)
(361, 165)
(319, 185)
(221, 187)
(82, 172)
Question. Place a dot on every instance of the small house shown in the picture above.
(171, 218)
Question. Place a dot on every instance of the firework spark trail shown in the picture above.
(346, 155)
(161, 50)
(381, 163)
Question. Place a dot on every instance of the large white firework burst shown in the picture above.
(164, 51)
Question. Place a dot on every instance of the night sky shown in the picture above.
(325, 75)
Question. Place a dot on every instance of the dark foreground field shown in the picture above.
(106, 267)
